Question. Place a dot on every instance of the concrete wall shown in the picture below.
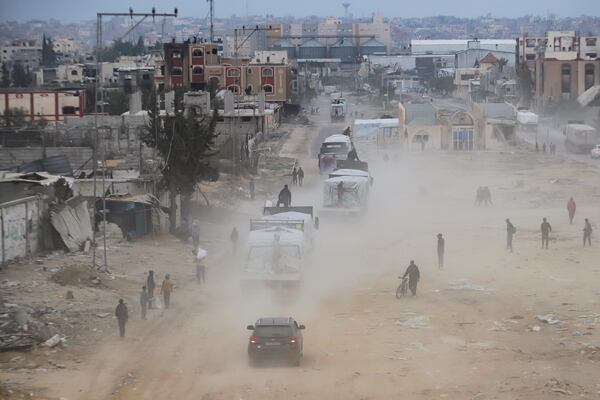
(14, 156)
(20, 228)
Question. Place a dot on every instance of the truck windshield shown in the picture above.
(336, 148)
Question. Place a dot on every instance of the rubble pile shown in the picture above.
(21, 327)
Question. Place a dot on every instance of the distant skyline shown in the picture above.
(77, 10)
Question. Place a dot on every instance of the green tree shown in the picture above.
(501, 63)
(20, 76)
(5, 81)
(186, 147)
(14, 117)
(525, 82)
(49, 58)
(118, 102)
(442, 84)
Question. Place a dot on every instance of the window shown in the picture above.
(74, 72)
(591, 55)
(233, 73)
(176, 54)
(267, 72)
(462, 138)
(565, 78)
(589, 76)
(591, 41)
(68, 110)
(234, 89)
(198, 71)
(249, 71)
(530, 43)
(214, 51)
(268, 88)
(530, 57)
(176, 71)
(197, 53)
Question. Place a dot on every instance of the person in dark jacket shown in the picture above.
(587, 233)
(300, 176)
(441, 245)
(546, 228)
(144, 301)
(510, 231)
(150, 284)
(285, 197)
(413, 277)
(352, 155)
(122, 317)
(294, 176)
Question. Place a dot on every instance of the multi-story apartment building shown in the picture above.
(26, 52)
(563, 64)
(197, 66)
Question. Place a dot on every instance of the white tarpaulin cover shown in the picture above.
(72, 221)
(589, 96)
(369, 129)
(526, 117)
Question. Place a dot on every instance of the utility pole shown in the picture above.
(212, 19)
(99, 99)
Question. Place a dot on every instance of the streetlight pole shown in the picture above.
(100, 95)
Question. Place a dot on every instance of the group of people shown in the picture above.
(297, 176)
(546, 228)
(551, 147)
(147, 300)
(483, 196)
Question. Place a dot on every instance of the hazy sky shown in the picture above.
(74, 10)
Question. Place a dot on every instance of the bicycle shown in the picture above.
(402, 289)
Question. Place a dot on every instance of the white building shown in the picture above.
(455, 45)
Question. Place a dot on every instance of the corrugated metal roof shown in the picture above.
(372, 43)
(311, 43)
(55, 165)
(498, 110)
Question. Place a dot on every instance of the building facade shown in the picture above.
(41, 104)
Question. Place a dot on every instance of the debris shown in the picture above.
(415, 322)
(463, 284)
(498, 326)
(102, 315)
(6, 284)
(550, 319)
(69, 295)
(54, 340)
(536, 328)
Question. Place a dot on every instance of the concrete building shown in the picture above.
(26, 52)
(470, 57)
(452, 46)
(563, 80)
(68, 47)
(47, 104)
(424, 127)
(196, 66)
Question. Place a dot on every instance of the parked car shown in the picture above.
(275, 338)
(596, 151)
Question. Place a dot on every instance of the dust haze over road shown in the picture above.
(478, 336)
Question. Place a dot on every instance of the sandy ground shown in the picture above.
(470, 333)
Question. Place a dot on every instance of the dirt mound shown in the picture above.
(77, 275)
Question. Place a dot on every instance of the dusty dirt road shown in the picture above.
(470, 333)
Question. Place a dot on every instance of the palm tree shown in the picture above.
(501, 63)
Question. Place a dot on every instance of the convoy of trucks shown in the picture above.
(333, 148)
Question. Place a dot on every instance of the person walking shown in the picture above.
(252, 188)
(546, 229)
(537, 147)
(122, 316)
(166, 289)
(413, 277)
(285, 197)
(544, 148)
(441, 245)
(234, 237)
(195, 232)
(587, 233)
(294, 176)
(144, 301)
(300, 176)
(510, 231)
(150, 285)
(571, 208)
